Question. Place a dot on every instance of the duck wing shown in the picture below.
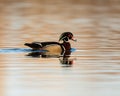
(38, 45)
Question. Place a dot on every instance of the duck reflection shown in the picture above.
(64, 59)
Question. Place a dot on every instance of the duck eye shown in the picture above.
(70, 36)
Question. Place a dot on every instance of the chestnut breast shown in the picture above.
(66, 45)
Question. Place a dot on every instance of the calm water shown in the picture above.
(96, 62)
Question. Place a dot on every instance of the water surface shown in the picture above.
(95, 70)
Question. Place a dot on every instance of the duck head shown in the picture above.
(66, 36)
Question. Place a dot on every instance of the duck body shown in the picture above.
(51, 47)
(55, 48)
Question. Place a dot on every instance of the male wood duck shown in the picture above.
(55, 48)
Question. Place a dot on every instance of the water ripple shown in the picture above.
(22, 50)
(15, 50)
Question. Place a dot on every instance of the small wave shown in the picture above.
(22, 50)
(73, 49)
(17, 50)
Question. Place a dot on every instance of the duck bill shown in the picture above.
(73, 39)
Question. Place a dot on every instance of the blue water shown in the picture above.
(22, 50)
(14, 50)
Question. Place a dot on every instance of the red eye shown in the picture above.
(70, 36)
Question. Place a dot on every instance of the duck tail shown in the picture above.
(27, 44)
(33, 45)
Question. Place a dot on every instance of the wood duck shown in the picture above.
(55, 48)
